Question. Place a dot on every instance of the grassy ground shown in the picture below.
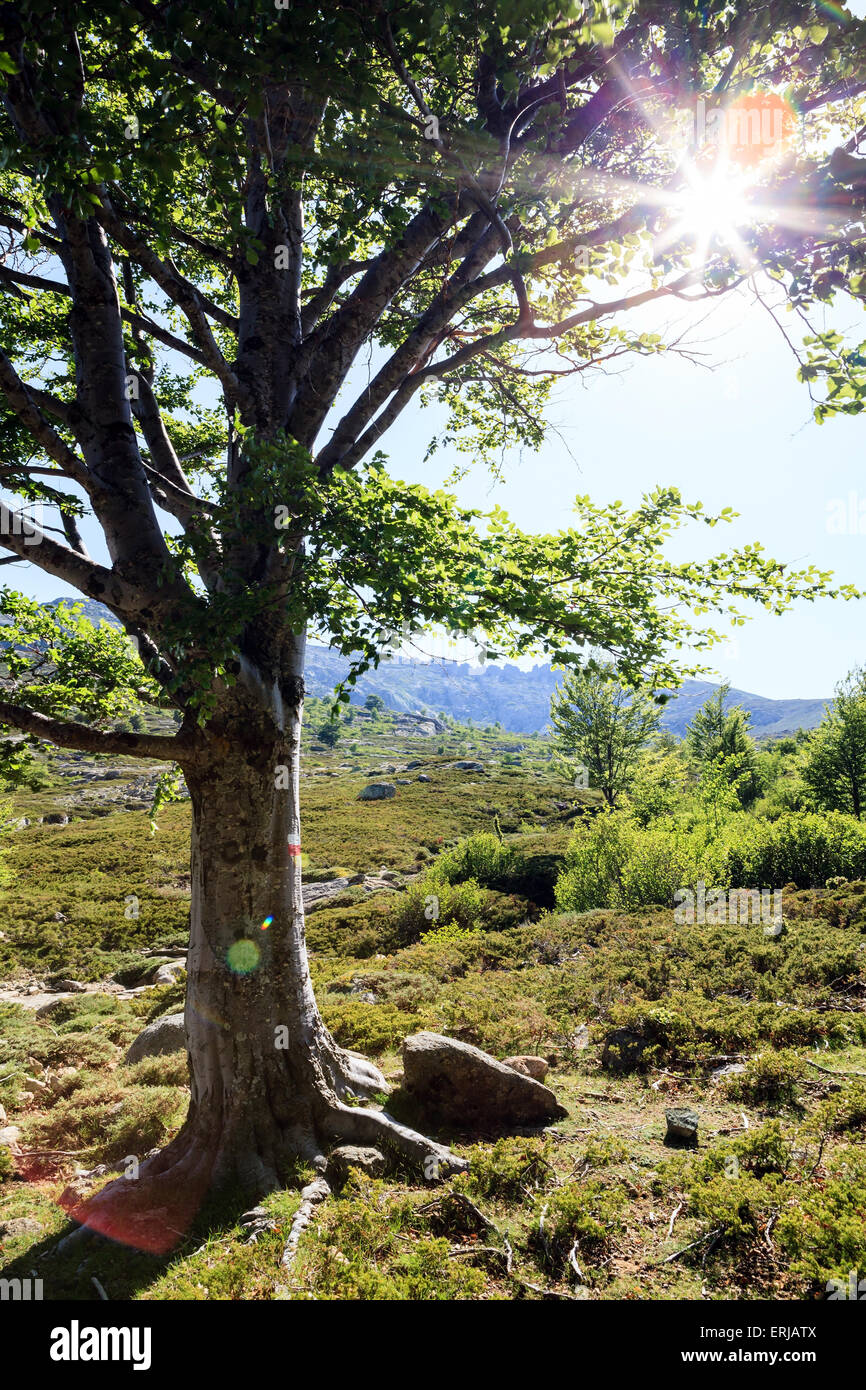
(768, 1205)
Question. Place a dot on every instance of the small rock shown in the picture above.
(370, 1161)
(377, 791)
(422, 777)
(253, 1215)
(732, 1069)
(2, 1116)
(682, 1125)
(57, 1079)
(56, 818)
(536, 1067)
(20, 1226)
(64, 986)
(10, 1134)
(469, 767)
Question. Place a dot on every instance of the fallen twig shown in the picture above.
(674, 1214)
(828, 1072)
(710, 1235)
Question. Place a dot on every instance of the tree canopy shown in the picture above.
(211, 217)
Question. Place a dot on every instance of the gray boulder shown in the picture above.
(730, 1069)
(377, 791)
(164, 1035)
(457, 1083)
(168, 973)
(20, 1226)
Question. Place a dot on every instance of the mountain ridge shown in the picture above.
(519, 700)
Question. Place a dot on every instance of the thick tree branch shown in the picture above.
(65, 734)
(22, 536)
(23, 403)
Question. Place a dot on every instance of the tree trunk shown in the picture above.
(269, 1086)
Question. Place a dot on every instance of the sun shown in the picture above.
(711, 211)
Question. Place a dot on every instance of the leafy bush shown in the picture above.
(7, 1165)
(481, 858)
(801, 847)
(824, 1230)
(615, 862)
(109, 1121)
(770, 1080)
(579, 1215)
(510, 1168)
(432, 902)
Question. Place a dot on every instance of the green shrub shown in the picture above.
(170, 1070)
(432, 902)
(824, 1229)
(7, 1165)
(579, 1215)
(109, 1122)
(843, 1112)
(770, 1080)
(801, 847)
(368, 1028)
(615, 862)
(480, 858)
(510, 1168)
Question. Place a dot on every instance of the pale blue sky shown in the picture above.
(741, 435)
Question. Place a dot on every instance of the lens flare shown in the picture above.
(243, 956)
(266, 923)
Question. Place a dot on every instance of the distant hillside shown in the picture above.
(519, 700)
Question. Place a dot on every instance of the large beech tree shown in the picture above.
(238, 241)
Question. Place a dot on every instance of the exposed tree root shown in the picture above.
(154, 1211)
(374, 1127)
(314, 1193)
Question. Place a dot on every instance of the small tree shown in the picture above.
(658, 786)
(719, 735)
(605, 725)
(835, 767)
(374, 703)
(329, 734)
